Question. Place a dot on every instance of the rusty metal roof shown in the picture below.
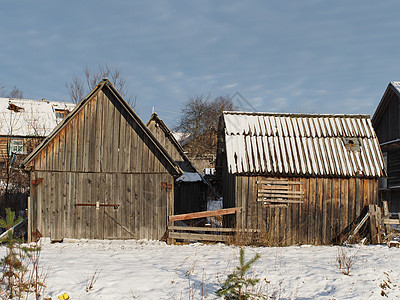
(302, 144)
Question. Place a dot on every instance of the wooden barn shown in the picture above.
(101, 174)
(386, 121)
(297, 178)
(190, 188)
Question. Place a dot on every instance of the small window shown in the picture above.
(16, 147)
(61, 113)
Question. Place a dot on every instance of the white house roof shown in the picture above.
(22, 117)
(294, 144)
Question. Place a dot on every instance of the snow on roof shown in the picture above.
(190, 177)
(22, 117)
(299, 144)
(396, 84)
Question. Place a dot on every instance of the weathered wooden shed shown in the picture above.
(190, 188)
(101, 174)
(298, 178)
(386, 121)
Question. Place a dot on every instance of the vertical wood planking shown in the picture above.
(326, 211)
(74, 144)
(312, 217)
(98, 132)
(359, 192)
(62, 150)
(107, 136)
(91, 124)
(319, 227)
(335, 207)
(68, 147)
(86, 136)
(116, 143)
(344, 204)
(80, 140)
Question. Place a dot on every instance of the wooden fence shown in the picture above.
(190, 233)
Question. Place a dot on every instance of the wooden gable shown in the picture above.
(386, 119)
(102, 135)
(161, 132)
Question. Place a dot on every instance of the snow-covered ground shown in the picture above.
(153, 270)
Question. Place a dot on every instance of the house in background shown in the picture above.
(191, 188)
(386, 121)
(298, 179)
(101, 174)
(200, 151)
(24, 123)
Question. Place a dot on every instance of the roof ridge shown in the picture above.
(310, 115)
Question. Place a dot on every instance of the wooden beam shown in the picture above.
(211, 229)
(203, 214)
(358, 227)
(205, 229)
(388, 221)
(199, 237)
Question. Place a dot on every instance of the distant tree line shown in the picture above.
(15, 93)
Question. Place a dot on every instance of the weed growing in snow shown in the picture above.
(345, 260)
(91, 280)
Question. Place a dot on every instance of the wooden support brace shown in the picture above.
(203, 214)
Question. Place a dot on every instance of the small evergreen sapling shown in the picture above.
(238, 285)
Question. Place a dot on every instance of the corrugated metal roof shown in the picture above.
(22, 117)
(297, 144)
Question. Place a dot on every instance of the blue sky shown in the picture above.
(306, 56)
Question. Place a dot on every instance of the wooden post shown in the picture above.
(170, 212)
(386, 216)
(374, 219)
(29, 212)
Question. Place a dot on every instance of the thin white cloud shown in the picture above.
(229, 86)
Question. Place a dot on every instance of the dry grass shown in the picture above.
(91, 280)
(345, 260)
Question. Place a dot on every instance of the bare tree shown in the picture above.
(14, 183)
(16, 93)
(199, 119)
(2, 90)
(78, 87)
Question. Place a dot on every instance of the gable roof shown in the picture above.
(25, 118)
(106, 84)
(301, 144)
(393, 86)
(190, 172)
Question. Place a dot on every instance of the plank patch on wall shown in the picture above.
(279, 192)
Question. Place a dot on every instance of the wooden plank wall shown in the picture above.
(330, 205)
(140, 212)
(3, 149)
(189, 196)
(160, 135)
(387, 128)
(100, 155)
(393, 199)
(393, 169)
